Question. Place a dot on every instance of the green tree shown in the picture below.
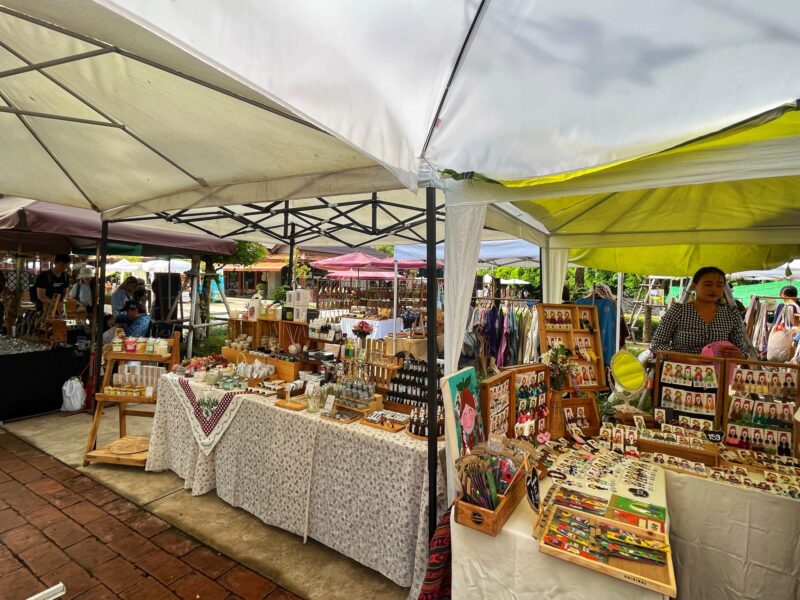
(247, 253)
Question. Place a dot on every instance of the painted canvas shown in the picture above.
(463, 411)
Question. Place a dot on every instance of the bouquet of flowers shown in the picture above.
(562, 367)
(362, 329)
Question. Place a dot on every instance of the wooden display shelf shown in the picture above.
(119, 398)
(292, 404)
(365, 410)
(392, 428)
(339, 421)
(105, 455)
(422, 438)
(140, 356)
(708, 454)
(658, 578)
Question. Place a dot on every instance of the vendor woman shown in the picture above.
(692, 326)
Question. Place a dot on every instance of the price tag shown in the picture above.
(329, 403)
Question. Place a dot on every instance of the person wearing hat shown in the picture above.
(123, 294)
(133, 319)
(82, 291)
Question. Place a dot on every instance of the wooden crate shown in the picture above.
(658, 578)
(365, 409)
(589, 405)
(488, 521)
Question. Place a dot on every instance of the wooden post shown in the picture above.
(647, 328)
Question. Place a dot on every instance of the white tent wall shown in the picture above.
(463, 232)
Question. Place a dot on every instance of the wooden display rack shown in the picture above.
(391, 428)
(591, 414)
(732, 364)
(692, 359)
(572, 334)
(376, 404)
(105, 454)
(284, 370)
(659, 578)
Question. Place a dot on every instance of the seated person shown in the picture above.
(133, 319)
(692, 326)
(123, 294)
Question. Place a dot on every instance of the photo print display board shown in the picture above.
(497, 404)
(531, 408)
(760, 402)
(577, 328)
(687, 387)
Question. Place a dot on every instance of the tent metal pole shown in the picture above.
(291, 257)
(620, 293)
(18, 293)
(100, 303)
(394, 311)
(433, 384)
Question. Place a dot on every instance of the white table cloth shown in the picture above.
(380, 329)
(727, 542)
(356, 489)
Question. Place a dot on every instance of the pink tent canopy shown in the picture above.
(354, 260)
(359, 260)
(360, 275)
(34, 222)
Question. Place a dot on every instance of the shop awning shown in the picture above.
(42, 226)
(358, 274)
(492, 253)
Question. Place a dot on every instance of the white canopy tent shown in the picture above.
(786, 272)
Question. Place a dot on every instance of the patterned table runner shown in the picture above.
(210, 411)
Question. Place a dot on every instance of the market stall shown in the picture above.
(354, 488)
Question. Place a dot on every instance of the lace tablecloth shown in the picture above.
(358, 490)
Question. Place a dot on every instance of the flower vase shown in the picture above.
(362, 343)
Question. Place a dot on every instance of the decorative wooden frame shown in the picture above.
(692, 359)
(488, 385)
(569, 335)
(732, 364)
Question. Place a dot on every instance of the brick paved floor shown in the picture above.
(58, 525)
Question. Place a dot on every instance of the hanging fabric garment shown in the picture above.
(607, 316)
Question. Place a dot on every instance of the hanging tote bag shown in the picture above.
(73, 395)
(779, 344)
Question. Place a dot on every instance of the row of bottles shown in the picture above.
(409, 386)
(418, 425)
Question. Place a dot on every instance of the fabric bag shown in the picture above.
(73, 395)
(779, 344)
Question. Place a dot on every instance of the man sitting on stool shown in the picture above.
(133, 319)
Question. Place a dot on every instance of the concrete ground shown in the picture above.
(58, 526)
(309, 570)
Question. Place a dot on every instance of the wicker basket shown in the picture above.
(557, 426)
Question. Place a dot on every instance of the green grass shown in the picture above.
(212, 344)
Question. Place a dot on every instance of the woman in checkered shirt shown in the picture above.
(692, 326)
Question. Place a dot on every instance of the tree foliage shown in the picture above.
(247, 253)
(590, 277)
(387, 249)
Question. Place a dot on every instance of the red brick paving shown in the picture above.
(59, 525)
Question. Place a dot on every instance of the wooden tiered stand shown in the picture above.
(104, 454)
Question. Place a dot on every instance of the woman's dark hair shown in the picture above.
(789, 291)
(705, 271)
